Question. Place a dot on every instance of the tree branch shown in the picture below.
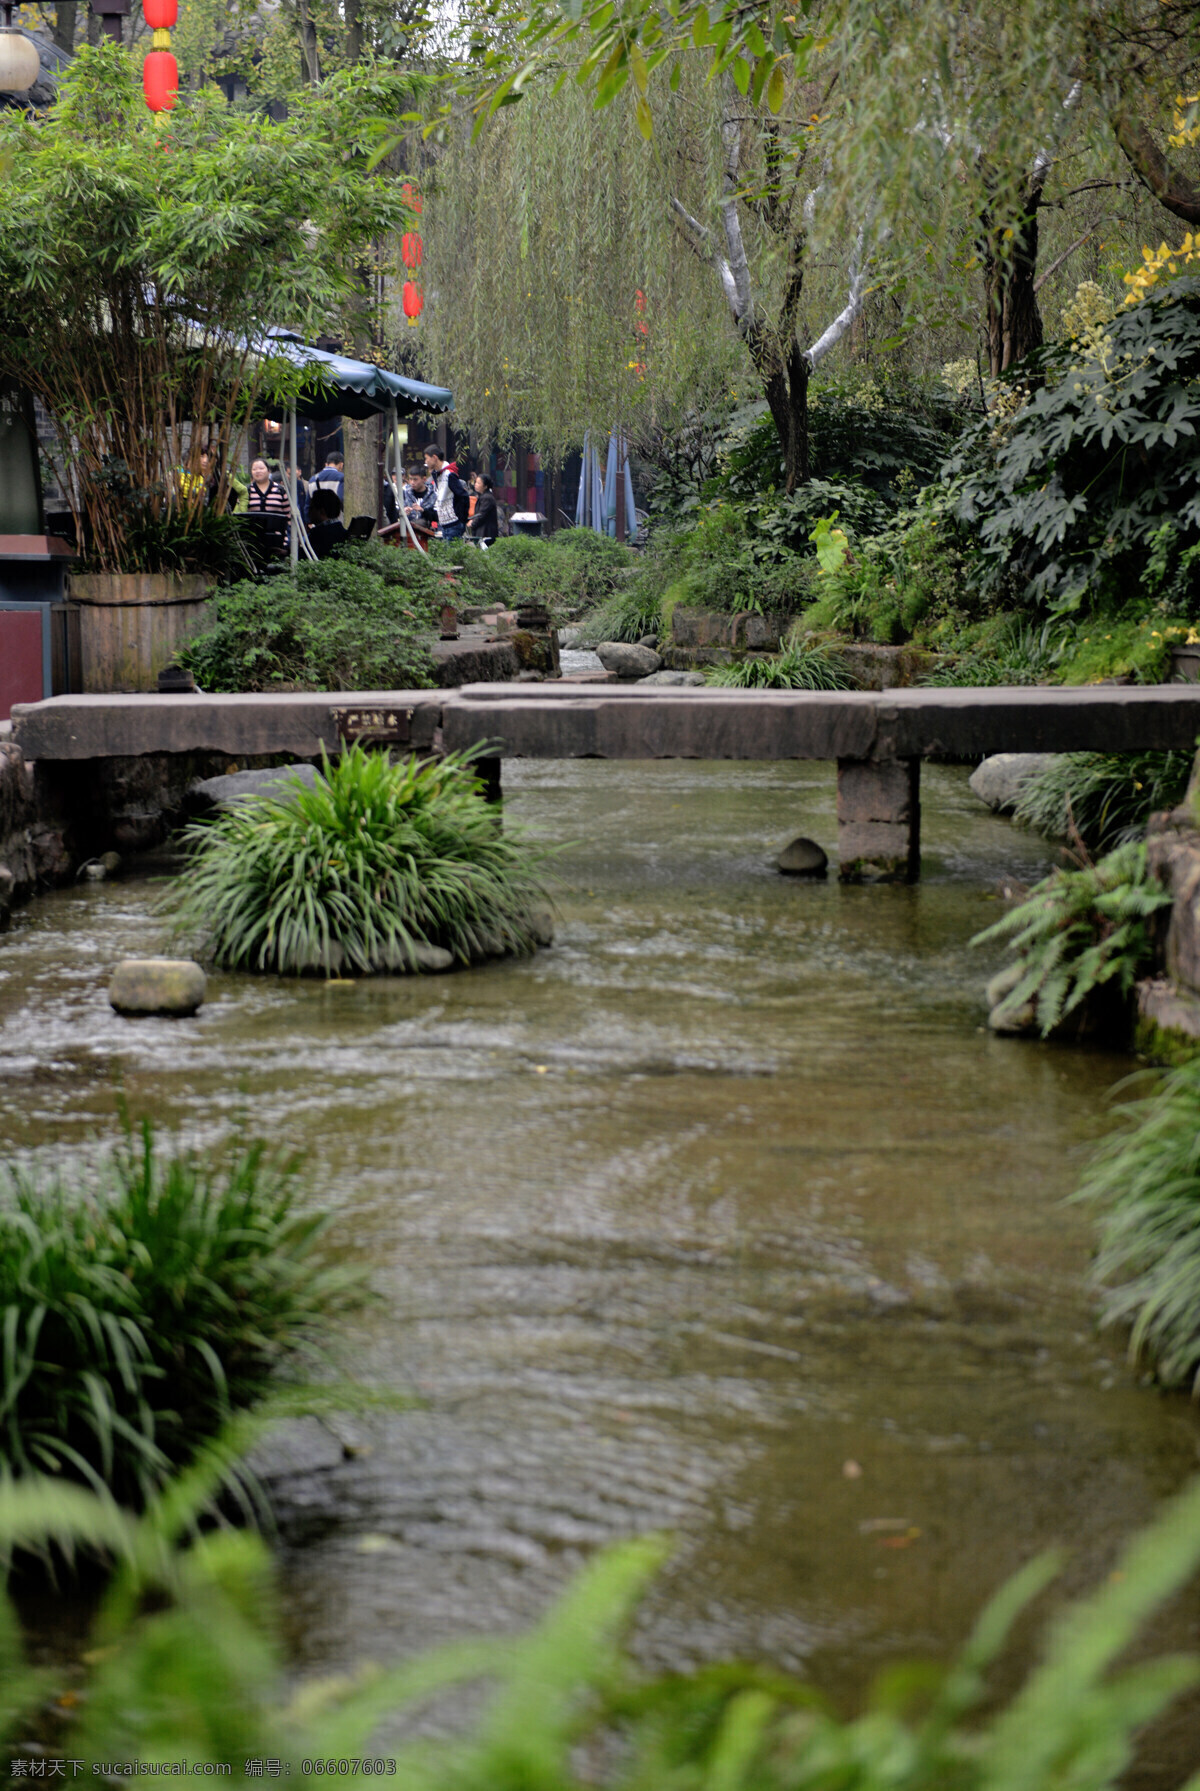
(1067, 253)
(701, 241)
(1150, 165)
(830, 337)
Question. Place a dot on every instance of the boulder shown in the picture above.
(433, 959)
(1023, 1020)
(683, 680)
(8, 884)
(803, 858)
(429, 960)
(649, 640)
(541, 925)
(998, 781)
(628, 660)
(157, 986)
(215, 795)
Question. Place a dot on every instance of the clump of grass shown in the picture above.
(1018, 653)
(359, 872)
(626, 616)
(799, 667)
(1078, 931)
(140, 1309)
(1105, 798)
(1145, 1180)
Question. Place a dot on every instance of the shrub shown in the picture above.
(799, 667)
(1077, 931)
(1145, 1183)
(1104, 798)
(1091, 487)
(189, 1665)
(335, 625)
(358, 872)
(567, 571)
(1016, 652)
(142, 1307)
(627, 616)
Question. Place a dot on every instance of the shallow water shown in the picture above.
(727, 1196)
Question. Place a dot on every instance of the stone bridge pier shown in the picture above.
(879, 820)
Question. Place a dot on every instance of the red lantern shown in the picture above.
(160, 80)
(411, 197)
(160, 15)
(411, 249)
(414, 301)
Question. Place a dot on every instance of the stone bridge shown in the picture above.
(876, 738)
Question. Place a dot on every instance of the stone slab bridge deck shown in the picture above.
(876, 738)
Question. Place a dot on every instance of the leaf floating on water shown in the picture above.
(375, 1544)
(906, 1541)
(870, 1525)
(851, 1470)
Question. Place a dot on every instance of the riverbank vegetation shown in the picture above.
(147, 1298)
(346, 623)
(1144, 1184)
(1102, 799)
(188, 1663)
(1079, 936)
(370, 869)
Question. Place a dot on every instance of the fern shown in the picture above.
(1077, 931)
(186, 1661)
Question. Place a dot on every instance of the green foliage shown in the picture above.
(1102, 798)
(337, 624)
(567, 571)
(1014, 651)
(186, 1662)
(173, 243)
(631, 613)
(1092, 488)
(801, 666)
(1078, 931)
(359, 871)
(909, 578)
(142, 1308)
(891, 441)
(1119, 648)
(1145, 1183)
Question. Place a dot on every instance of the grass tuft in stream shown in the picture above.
(1145, 1183)
(191, 1667)
(143, 1305)
(360, 872)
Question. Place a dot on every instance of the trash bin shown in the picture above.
(527, 522)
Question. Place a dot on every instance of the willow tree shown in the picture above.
(951, 127)
(579, 278)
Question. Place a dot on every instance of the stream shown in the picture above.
(725, 1216)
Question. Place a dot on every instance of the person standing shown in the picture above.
(449, 498)
(266, 496)
(485, 522)
(332, 476)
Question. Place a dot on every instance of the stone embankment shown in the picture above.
(1168, 1005)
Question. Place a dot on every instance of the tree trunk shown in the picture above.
(354, 30)
(361, 490)
(65, 15)
(1014, 322)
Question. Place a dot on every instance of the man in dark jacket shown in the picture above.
(448, 500)
(484, 526)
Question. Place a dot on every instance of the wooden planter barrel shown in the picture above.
(132, 624)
